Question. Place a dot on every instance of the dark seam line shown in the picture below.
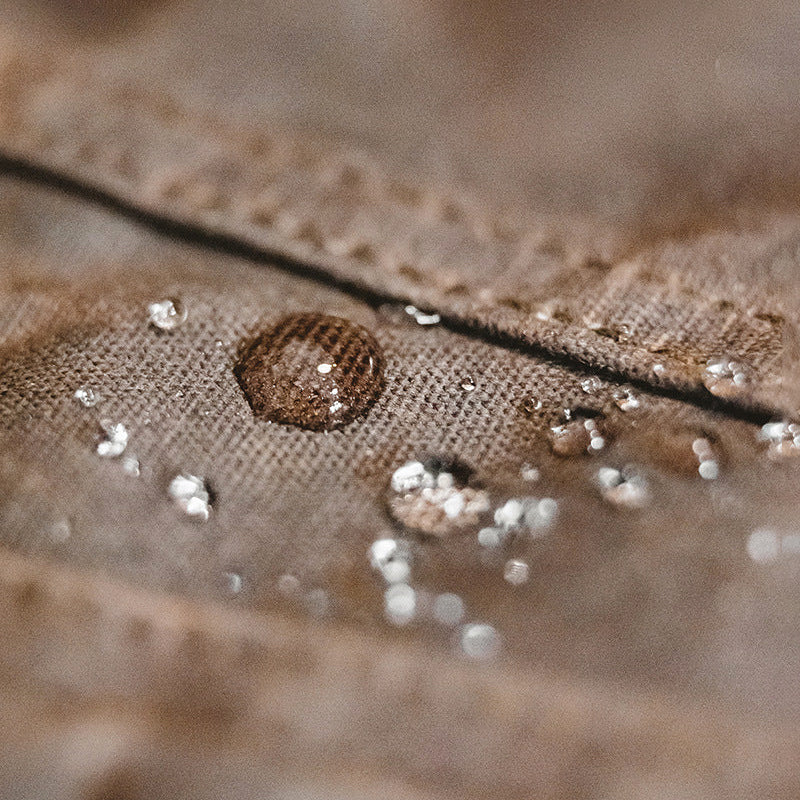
(228, 244)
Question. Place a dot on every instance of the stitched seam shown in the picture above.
(204, 198)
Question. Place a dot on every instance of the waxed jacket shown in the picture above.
(397, 399)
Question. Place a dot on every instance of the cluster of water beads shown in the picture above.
(391, 558)
(625, 488)
(434, 497)
(192, 495)
(167, 315)
(576, 436)
(783, 438)
(725, 377)
(422, 317)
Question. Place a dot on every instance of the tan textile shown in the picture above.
(597, 202)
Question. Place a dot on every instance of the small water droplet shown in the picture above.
(288, 585)
(448, 609)
(529, 473)
(313, 371)
(234, 582)
(509, 514)
(392, 558)
(131, 465)
(115, 439)
(87, 397)
(166, 315)
(591, 385)
(435, 497)
(725, 377)
(468, 383)
(531, 405)
(519, 515)
(400, 603)
(516, 572)
(422, 317)
(492, 537)
(763, 545)
(625, 399)
(707, 456)
(577, 437)
(60, 531)
(480, 641)
(191, 494)
(317, 603)
(783, 438)
(624, 488)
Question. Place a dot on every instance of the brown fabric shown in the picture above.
(648, 655)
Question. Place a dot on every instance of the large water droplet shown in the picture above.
(313, 371)
(191, 494)
(436, 498)
(166, 315)
(726, 378)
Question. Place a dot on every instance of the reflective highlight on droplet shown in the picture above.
(313, 371)
(529, 516)
(708, 468)
(448, 609)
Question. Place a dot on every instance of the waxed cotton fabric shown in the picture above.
(651, 652)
